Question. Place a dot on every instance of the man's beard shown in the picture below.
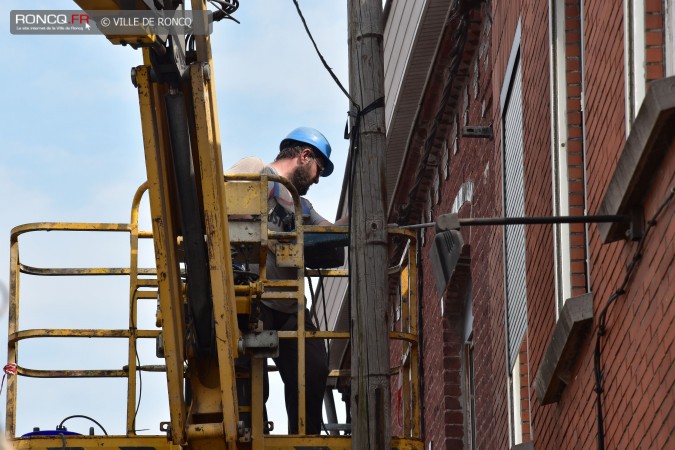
(302, 178)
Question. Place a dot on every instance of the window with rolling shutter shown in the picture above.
(514, 205)
(515, 277)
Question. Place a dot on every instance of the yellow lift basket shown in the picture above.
(246, 198)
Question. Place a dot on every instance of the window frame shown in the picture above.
(635, 73)
(559, 138)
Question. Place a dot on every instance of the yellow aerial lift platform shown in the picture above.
(206, 321)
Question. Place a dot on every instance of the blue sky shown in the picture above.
(72, 151)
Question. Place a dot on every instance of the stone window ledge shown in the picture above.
(645, 148)
(562, 352)
(523, 446)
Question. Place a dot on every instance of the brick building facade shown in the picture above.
(541, 108)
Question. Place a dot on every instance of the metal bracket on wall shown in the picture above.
(636, 227)
(484, 132)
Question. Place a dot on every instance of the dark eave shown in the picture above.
(435, 108)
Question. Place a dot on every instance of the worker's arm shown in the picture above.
(340, 221)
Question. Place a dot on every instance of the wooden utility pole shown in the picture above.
(370, 398)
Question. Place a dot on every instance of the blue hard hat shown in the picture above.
(317, 140)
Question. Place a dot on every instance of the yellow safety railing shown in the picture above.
(143, 285)
(404, 345)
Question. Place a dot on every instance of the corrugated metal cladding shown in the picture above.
(514, 198)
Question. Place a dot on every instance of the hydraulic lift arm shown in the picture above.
(187, 203)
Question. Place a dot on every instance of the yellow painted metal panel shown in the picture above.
(162, 211)
(218, 244)
(243, 197)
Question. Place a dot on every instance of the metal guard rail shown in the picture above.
(409, 436)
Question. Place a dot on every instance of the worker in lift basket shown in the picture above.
(304, 156)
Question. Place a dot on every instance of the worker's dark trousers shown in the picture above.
(316, 372)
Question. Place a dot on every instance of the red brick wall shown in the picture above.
(636, 349)
(635, 355)
(569, 424)
(654, 40)
(575, 145)
(444, 398)
(605, 132)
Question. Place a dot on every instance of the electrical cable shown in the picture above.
(355, 142)
(140, 387)
(323, 60)
(80, 416)
(354, 137)
(313, 296)
(138, 361)
(225, 9)
(321, 287)
(602, 317)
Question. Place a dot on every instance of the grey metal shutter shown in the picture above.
(514, 205)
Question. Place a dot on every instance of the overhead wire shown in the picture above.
(598, 369)
(224, 10)
(318, 52)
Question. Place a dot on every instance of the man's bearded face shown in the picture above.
(302, 178)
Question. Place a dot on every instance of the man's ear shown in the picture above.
(306, 154)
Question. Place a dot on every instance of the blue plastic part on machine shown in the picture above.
(51, 433)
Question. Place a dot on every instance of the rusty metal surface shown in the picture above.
(163, 213)
(289, 255)
(93, 442)
(12, 327)
(68, 226)
(63, 271)
(36, 373)
(327, 273)
(214, 208)
(79, 333)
